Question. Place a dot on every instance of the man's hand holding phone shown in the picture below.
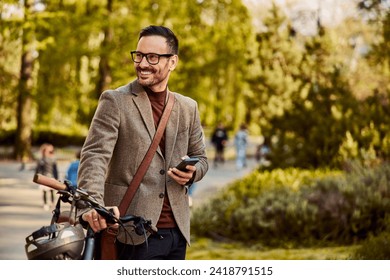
(184, 171)
(182, 166)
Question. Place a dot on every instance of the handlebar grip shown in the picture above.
(49, 182)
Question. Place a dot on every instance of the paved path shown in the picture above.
(21, 210)
(217, 178)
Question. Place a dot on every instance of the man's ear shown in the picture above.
(173, 62)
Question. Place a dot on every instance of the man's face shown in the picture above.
(156, 76)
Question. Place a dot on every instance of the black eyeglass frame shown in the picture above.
(146, 56)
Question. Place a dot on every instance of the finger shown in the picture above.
(102, 224)
(113, 226)
(182, 178)
(94, 222)
(95, 217)
(89, 216)
(115, 211)
(191, 168)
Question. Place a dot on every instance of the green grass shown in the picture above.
(205, 249)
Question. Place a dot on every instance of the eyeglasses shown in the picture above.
(151, 58)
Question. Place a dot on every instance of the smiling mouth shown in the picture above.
(144, 72)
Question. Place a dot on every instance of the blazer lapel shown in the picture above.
(171, 131)
(143, 105)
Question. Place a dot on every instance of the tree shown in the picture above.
(375, 105)
(313, 94)
(10, 49)
(105, 78)
(274, 79)
(304, 101)
(22, 147)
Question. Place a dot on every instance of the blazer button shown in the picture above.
(162, 171)
(161, 195)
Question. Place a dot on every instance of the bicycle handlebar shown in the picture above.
(80, 199)
(82, 195)
(50, 182)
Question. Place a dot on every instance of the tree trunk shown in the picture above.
(104, 64)
(22, 148)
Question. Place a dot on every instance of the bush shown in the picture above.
(57, 139)
(7, 137)
(298, 207)
(374, 248)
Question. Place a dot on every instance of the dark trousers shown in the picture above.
(167, 244)
(45, 198)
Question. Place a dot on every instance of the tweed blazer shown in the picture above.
(120, 134)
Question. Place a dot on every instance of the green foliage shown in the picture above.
(307, 97)
(374, 248)
(9, 66)
(299, 207)
(320, 99)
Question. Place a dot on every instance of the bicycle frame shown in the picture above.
(89, 249)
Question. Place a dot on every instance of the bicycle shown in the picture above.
(65, 238)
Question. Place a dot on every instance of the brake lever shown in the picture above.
(107, 214)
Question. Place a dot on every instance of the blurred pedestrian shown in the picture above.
(73, 168)
(47, 165)
(219, 139)
(241, 143)
(263, 152)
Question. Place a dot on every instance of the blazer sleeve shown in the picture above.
(99, 145)
(197, 147)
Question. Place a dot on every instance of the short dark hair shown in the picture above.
(163, 31)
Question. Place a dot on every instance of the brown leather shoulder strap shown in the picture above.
(148, 157)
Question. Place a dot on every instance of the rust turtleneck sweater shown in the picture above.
(157, 101)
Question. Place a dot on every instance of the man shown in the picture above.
(120, 134)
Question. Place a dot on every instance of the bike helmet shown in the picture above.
(59, 241)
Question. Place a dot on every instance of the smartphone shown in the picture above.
(187, 161)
